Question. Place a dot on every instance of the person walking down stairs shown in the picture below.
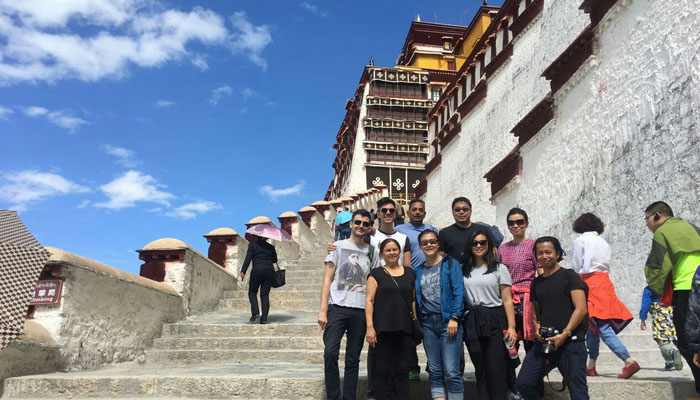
(263, 256)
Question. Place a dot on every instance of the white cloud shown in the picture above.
(5, 112)
(200, 62)
(25, 187)
(61, 118)
(249, 93)
(312, 9)
(84, 204)
(275, 194)
(218, 93)
(35, 111)
(132, 187)
(250, 40)
(94, 40)
(165, 103)
(191, 210)
(125, 157)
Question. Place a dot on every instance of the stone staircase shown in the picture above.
(220, 355)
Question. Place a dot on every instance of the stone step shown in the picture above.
(279, 293)
(305, 273)
(308, 337)
(289, 381)
(275, 304)
(227, 330)
(303, 286)
(247, 342)
(232, 355)
(292, 279)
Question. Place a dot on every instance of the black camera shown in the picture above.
(547, 332)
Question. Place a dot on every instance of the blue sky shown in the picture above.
(124, 121)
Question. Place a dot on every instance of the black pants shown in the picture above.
(490, 364)
(570, 359)
(342, 320)
(260, 278)
(413, 360)
(680, 311)
(391, 359)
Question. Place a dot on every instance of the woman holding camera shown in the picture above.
(489, 313)
(590, 257)
(390, 298)
(440, 297)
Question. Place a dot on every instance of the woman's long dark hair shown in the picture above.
(468, 258)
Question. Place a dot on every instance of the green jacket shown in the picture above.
(672, 239)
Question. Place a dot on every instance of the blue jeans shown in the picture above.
(340, 321)
(570, 359)
(443, 357)
(609, 338)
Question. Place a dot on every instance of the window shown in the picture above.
(505, 34)
(451, 65)
(447, 44)
(436, 94)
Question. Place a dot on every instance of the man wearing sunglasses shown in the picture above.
(343, 296)
(453, 239)
(413, 228)
(670, 267)
(386, 213)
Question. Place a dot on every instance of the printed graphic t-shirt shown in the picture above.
(352, 265)
(430, 289)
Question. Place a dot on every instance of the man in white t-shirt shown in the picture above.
(386, 214)
(343, 296)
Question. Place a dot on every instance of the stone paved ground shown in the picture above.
(220, 355)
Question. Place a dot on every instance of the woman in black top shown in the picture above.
(390, 293)
(263, 255)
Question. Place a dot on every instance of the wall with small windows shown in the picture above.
(623, 130)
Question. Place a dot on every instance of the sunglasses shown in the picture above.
(388, 210)
(427, 242)
(363, 223)
(513, 222)
(464, 209)
(482, 243)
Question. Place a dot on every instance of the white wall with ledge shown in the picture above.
(199, 280)
(624, 133)
(105, 315)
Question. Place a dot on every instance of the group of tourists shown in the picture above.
(398, 286)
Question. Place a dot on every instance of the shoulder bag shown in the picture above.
(279, 278)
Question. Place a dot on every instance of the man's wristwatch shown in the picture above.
(568, 334)
(454, 318)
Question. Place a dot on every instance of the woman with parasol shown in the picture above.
(263, 256)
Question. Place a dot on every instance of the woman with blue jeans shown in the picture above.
(440, 297)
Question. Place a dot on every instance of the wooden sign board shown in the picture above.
(47, 292)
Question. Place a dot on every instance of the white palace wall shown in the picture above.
(624, 132)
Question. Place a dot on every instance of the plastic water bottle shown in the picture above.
(512, 351)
